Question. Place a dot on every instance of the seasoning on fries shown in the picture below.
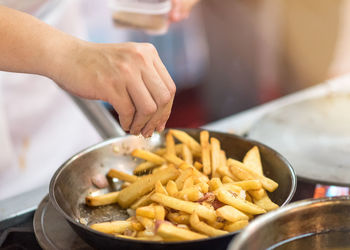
(189, 190)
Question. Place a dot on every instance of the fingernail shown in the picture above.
(161, 128)
(134, 132)
(149, 133)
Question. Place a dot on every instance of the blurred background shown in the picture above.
(232, 55)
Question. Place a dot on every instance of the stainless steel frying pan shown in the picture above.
(74, 180)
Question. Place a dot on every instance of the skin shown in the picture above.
(181, 9)
(130, 76)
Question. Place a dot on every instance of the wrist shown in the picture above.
(59, 54)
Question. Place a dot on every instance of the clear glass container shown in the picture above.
(148, 15)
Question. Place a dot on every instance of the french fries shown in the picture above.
(147, 211)
(113, 173)
(172, 233)
(204, 228)
(159, 188)
(252, 160)
(187, 154)
(144, 185)
(171, 188)
(148, 156)
(227, 198)
(186, 139)
(185, 206)
(101, 200)
(249, 184)
(267, 183)
(173, 159)
(235, 226)
(187, 191)
(265, 203)
(204, 139)
(215, 156)
(143, 201)
(144, 167)
(112, 227)
(170, 144)
(231, 214)
(178, 218)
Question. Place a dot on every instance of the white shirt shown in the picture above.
(40, 126)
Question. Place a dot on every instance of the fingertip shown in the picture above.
(124, 126)
(161, 127)
(176, 17)
(147, 133)
(134, 131)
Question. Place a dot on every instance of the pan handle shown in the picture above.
(100, 118)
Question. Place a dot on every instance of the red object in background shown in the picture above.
(188, 110)
(320, 191)
(330, 191)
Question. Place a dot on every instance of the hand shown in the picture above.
(181, 9)
(130, 76)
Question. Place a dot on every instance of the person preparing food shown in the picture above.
(39, 125)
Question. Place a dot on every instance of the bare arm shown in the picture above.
(25, 43)
(130, 76)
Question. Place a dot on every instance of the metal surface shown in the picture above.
(14, 209)
(314, 135)
(315, 218)
(99, 117)
(52, 230)
(242, 122)
(73, 181)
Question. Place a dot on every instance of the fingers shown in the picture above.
(164, 75)
(181, 9)
(144, 104)
(169, 83)
(144, 90)
(158, 121)
(175, 13)
(125, 109)
(162, 97)
(161, 88)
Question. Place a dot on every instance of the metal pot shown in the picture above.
(73, 180)
(308, 224)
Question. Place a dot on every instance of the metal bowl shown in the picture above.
(73, 180)
(308, 224)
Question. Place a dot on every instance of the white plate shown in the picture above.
(314, 135)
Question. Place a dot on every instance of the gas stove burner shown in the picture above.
(52, 230)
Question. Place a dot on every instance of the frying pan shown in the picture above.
(74, 180)
(308, 224)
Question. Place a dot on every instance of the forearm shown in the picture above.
(130, 76)
(28, 45)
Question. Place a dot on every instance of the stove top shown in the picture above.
(53, 231)
(20, 236)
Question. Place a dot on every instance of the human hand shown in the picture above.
(130, 76)
(181, 9)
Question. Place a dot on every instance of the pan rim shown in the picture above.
(278, 213)
(54, 178)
